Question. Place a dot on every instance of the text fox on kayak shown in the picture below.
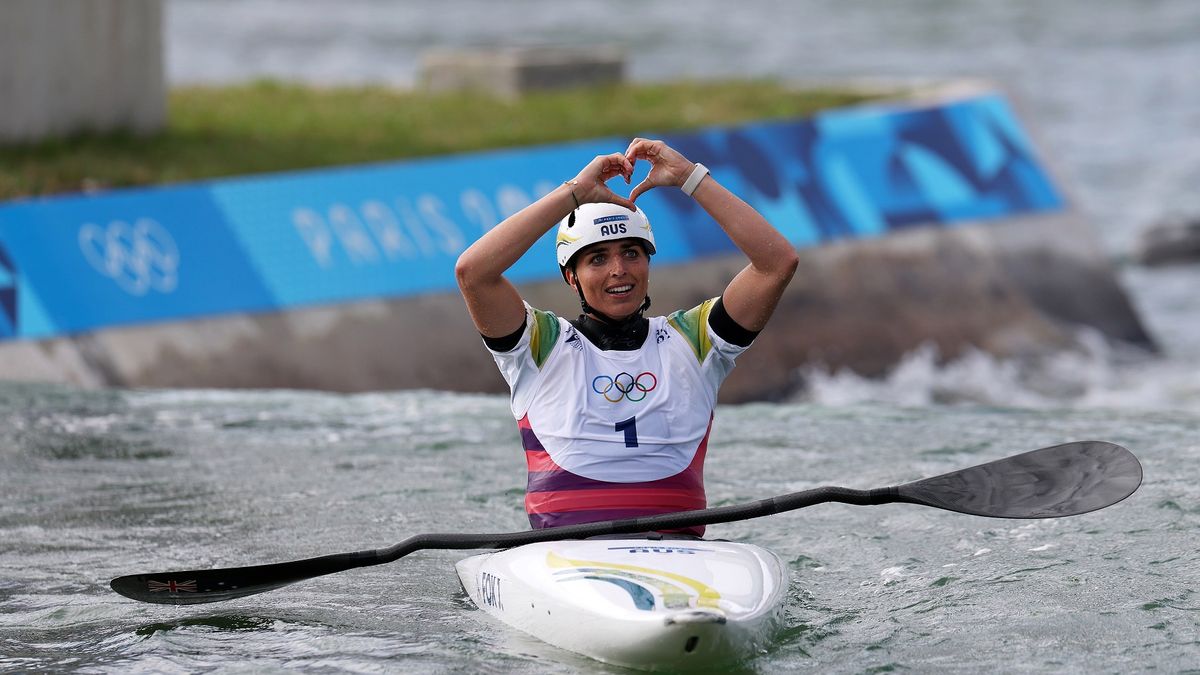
(614, 408)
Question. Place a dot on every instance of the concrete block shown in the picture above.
(511, 72)
(69, 66)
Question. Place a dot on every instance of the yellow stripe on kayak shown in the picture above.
(707, 596)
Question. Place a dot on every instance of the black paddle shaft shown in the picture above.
(1062, 480)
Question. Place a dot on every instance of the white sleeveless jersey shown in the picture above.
(618, 416)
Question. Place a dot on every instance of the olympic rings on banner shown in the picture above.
(626, 386)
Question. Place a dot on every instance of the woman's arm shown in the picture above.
(495, 305)
(751, 297)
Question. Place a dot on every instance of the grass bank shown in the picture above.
(266, 126)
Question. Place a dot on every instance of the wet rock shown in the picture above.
(1170, 242)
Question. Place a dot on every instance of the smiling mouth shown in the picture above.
(617, 290)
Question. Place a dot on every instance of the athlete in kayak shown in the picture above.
(615, 409)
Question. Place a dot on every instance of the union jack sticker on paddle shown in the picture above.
(172, 586)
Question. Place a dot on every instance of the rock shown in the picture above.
(1170, 242)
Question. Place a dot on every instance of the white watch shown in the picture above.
(693, 181)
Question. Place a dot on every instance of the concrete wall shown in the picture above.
(1020, 288)
(1023, 285)
(68, 66)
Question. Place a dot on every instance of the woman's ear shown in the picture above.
(569, 273)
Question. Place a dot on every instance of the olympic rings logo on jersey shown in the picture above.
(625, 386)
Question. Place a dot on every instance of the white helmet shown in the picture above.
(596, 222)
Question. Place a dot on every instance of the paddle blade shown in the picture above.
(1062, 480)
(184, 588)
(199, 586)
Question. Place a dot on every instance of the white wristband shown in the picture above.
(693, 181)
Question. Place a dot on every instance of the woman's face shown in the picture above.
(614, 276)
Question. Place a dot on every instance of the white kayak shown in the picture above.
(634, 602)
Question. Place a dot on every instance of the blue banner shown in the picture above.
(79, 263)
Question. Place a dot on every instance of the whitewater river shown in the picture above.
(101, 484)
(95, 485)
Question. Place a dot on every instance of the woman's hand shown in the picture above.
(591, 183)
(667, 167)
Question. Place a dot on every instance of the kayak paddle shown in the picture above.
(1061, 480)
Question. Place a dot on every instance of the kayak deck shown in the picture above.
(635, 602)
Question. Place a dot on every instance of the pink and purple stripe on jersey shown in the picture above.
(555, 496)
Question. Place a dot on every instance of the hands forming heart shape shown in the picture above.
(667, 168)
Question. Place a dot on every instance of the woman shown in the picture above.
(615, 409)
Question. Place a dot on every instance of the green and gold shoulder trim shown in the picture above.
(544, 335)
(693, 325)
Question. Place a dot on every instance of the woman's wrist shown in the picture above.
(697, 176)
(571, 186)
